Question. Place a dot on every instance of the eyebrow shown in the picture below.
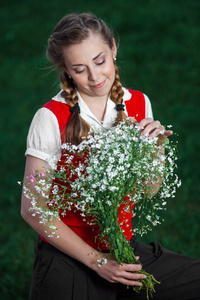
(78, 65)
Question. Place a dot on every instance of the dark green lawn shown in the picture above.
(158, 54)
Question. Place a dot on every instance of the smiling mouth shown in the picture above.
(97, 86)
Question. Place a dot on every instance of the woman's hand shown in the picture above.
(115, 273)
(152, 129)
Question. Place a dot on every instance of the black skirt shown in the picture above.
(57, 276)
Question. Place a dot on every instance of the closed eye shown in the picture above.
(98, 63)
(101, 62)
(79, 71)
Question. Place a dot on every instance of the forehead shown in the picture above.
(88, 49)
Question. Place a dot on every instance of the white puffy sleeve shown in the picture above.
(148, 108)
(43, 138)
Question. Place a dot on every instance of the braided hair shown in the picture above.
(73, 29)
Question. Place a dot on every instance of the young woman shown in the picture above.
(83, 48)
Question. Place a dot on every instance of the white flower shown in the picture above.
(55, 189)
(113, 188)
(179, 183)
(119, 163)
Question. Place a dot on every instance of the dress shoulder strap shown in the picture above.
(62, 113)
(136, 105)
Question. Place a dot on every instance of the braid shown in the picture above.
(116, 90)
(69, 91)
(76, 127)
(117, 94)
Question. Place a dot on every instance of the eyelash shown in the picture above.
(101, 63)
(79, 72)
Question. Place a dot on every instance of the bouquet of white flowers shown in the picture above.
(107, 169)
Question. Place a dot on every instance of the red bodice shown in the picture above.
(89, 233)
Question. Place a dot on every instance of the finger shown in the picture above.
(150, 127)
(142, 124)
(127, 282)
(129, 279)
(132, 276)
(131, 267)
(168, 133)
(160, 130)
(164, 136)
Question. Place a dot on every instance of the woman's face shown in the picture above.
(91, 66)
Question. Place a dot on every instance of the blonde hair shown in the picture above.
(73, 29)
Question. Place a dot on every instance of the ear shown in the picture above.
(114, 49)
(67, 73)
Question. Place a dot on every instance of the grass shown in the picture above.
(158, 54)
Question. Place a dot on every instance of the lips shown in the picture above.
(101, 84)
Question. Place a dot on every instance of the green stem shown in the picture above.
(121, 250)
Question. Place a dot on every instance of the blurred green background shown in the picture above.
(158, 54)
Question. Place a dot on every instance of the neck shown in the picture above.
(97, 105)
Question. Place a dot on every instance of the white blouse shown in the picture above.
(44, 140)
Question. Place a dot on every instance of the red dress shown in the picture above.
(135, 108)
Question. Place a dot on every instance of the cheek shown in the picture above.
(79, 80)
(110, 70)
(113, 73)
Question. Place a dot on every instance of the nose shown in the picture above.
(93, 74)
